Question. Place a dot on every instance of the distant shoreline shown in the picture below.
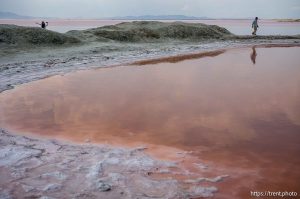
(288, 20)
(122, 18)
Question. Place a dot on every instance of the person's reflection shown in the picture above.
(253, 55)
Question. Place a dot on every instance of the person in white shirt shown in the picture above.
(255, 25)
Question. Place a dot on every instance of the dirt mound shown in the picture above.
(152, 30)
(19, 36)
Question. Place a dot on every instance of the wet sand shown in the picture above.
(237, 109)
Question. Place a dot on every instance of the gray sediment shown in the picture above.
(37, 168)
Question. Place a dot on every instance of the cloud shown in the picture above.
(186, 7)
(296, 8)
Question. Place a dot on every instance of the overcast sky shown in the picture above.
(111, 8)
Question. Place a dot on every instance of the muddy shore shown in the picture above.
(47, 168)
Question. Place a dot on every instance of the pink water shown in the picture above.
(238, 108)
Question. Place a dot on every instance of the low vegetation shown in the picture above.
(20, 36)
(152, 30)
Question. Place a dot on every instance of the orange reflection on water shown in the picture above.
(221, 107)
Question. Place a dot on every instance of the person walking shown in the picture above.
(255, 25)
(43, 24)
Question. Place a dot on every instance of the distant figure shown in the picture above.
(255, 25)
(253, 55)
(43, 24)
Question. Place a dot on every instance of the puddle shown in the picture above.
(239, 109)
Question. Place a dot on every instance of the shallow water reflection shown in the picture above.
(253, 55)
(228, 110)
